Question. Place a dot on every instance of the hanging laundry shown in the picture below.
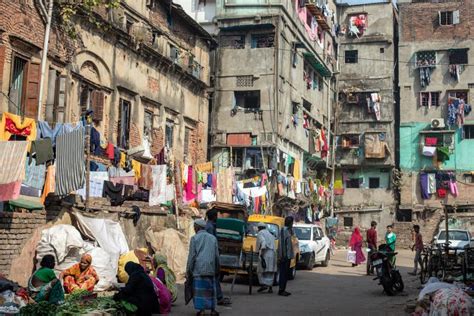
(109, 151)
(146, 179)
(95, 142)
(431, 183)
(297, 170)
(50, 183)
(431, 141)
(425, 76)
(96, 184)
(441, 193)
(10, 191)
(70, 166)
(123, 160)
(123, 180)
(113, 192)
(42, 150)
(34, 174)
(424, 186)
(225, 185)
(12, 124)
(189, 189)
(26, 190)
(442, 153)
(158, 190)
(97, 166)
(428, 151)
(45, 131)
(119, 172)
(12, 161)
(136, 167)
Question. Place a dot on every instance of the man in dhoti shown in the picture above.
(267, 263)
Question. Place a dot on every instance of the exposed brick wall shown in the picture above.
(419, 21)
(15, 229)
(135, 138)
(157, 141)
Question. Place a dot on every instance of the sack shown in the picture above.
(351, 256)
(188, 291)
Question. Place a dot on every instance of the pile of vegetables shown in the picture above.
(80, 303)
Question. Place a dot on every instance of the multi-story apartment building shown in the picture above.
(142, 67)
(274, 84)
(365, 112)
(436, 126)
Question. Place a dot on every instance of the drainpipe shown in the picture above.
(44, 57)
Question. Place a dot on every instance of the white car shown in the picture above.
(314, 245)
(458, 238)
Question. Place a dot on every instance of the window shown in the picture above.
(174, 53)
(124, 124)
(294, 108)
(55, 101)
(18, 84)
(307, 105)
(403, 215)
(321, 84)
(253, 159)
(382, 50)
(350, 141)
(351, 56)
(262, 40)
(244, 81)
(448, 17)
(374, 183)
(429, 98)
(315, 234)
(148, 124)
(458, 56)
(468, 131)
(353, 183)
(232, 41)
(348, 221)
(460, 94)
(187, 135)
(237, 157)
(247, 99)
(169, 133)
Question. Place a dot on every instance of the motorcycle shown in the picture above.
(388, 276)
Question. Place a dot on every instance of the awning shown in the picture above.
(317, 65)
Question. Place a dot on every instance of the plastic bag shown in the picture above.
(351, 256)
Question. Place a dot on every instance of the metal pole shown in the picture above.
(44, 57)
(446, 226)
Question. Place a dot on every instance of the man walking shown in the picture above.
(390, 240)
(202, 267)
(372, 245)
(266, 268)
(418, 247)
(211, 228)
(285, 253)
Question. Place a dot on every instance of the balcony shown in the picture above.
(315, 7)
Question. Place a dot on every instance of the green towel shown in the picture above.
(442, 153)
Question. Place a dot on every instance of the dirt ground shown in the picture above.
(336, 290)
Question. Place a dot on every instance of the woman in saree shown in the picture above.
(80, 276)
(166, 275)
(43, 285)
(356, 245)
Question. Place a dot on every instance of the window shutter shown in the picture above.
(97, 105)
(61, 99)
(421, 98)
(456, 19)
(32, 90)
(439, 18)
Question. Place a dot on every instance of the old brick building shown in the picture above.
(436, 77)
(143, 69)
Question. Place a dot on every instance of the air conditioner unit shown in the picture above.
(437, 123)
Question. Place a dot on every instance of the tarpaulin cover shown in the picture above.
(173, 245)
(107, 233)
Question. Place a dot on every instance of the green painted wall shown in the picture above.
(365, 174)
(411, 159)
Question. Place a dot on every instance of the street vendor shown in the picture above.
(81, 276)
(43, 285)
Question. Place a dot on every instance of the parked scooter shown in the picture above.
(388, 276)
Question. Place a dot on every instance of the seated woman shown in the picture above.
(80, 276)
(43, 285)
(139, 290)
(166, 275)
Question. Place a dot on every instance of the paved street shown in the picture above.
(336, 290)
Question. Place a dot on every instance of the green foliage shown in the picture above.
(84, 9)
(79, 303)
